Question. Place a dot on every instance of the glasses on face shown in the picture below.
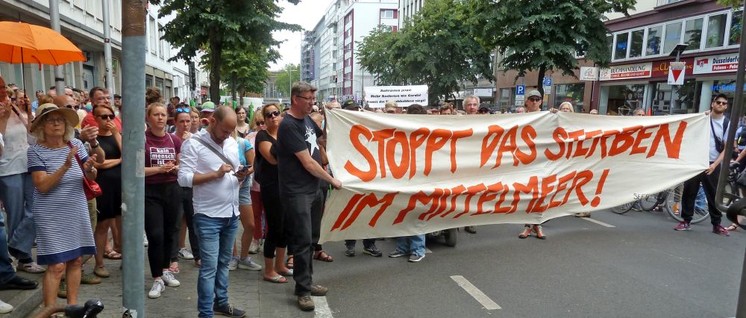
(183, 110)
(720, 102)
(307, 98)
(273, 114)
(534, 99)
(106, 117)
(260, 123)
(54, 120)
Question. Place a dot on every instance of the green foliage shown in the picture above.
(731, 3)
(542, 35)
(288, 75)
(217, 25)
(435, 48)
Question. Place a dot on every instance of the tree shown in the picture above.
(219, 24)
(286, 77)
(543, 35)
(435, 48)
(247, 69)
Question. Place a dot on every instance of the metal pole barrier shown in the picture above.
(735, 115)
(107, 48)
(59, 74)
(134, 43)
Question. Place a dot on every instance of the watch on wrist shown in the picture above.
(93, 146)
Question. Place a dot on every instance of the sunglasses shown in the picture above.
(105, 117)
(534, 99)
(721, 102)
(260, 123)
(183, 110)
(273, 114)
(73, 107)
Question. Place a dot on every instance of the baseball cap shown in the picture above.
(208, 107)
(533, 93)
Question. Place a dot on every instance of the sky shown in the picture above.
(306, 14)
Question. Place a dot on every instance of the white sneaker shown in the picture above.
(169, 279)
(185, 254)
(5, 307)
(254, 247)
(233, 264)
(157, 289)
(247, 263)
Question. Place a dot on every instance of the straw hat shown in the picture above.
(45, 109)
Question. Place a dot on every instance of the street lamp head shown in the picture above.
(680, 48)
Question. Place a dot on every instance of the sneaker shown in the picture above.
(249, 264)
(169, 279)
(89, 279)
(683, 226)
(318, 290)
(233, 263)
(372, 251)
(228, 310)
(414, 258)
(254, 247)
(185, 254)
(157, 289)
(31, 267)
(5, 307)
(350, 252)
(397, 253)
(62, 291)
(305, 303)
(720, 230)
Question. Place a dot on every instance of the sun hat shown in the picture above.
(45, 109)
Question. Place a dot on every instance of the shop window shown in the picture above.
(505, 95)
(682, 97)
(635, 46)
(623, 99)
(654, 41)
(735, 28)
(572, 93)
(715, 30)
(693, 34)
(620, 51)
(673, 36)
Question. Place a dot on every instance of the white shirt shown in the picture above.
(216, 198)
(717, 130)
(14, 159)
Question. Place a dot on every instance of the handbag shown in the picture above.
(90, 187)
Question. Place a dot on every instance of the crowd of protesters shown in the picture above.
(208, 170)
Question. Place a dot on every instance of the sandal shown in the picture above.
(539, 233)
(322, 256)
(526, 232)
(732, 227)
(288, 272)
(289, 263)
(279, 279)
(174, 267)
(112, 254)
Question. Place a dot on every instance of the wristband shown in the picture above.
(93, 146)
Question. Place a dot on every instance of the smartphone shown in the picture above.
(244, 168)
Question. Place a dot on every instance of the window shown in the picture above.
(153, 36)
(716, 30)
(620, 50)
(735, 28)
(673, 36)
(572, 93)
(387, 14)
(635, 46)
(693, 34)
(654, 41)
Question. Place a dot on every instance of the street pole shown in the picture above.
(670, 107)
(107, 47)
(59, 74)
(725, 165)
(134, 42)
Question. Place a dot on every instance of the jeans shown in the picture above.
(298, 209)
(414, 244)
(17, 194)
(216, 236)
(6, 267)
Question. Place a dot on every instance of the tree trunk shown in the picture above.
(540, 79)
(233, 86)
(216, 49)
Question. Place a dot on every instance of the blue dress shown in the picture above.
(63, 226)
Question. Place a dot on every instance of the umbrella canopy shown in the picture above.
(33, 44)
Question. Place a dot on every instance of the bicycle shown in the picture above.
(90, 309)
(701, 211)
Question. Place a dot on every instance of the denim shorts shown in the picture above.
(244, 194)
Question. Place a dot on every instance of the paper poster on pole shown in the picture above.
(377, 96)
(414, 174)
(676, 73)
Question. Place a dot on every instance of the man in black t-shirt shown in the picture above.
(300, 170)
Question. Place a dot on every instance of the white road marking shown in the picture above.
(598, 222)
(486, 302)
(322, 307)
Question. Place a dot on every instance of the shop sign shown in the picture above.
(588, 73)
(630, 71)
(660, 68)
(716, 64)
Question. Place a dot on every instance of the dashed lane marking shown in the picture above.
(322, 307)
(486, 302)
(598, 222)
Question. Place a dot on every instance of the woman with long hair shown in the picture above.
(183, 123)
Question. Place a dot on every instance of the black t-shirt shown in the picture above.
(295, 135)
(265, 172)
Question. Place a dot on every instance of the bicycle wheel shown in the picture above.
(701, 211)
(649, 202)
(624, 208)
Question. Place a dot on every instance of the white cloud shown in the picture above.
(306, 14)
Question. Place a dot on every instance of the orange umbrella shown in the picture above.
(33, 44)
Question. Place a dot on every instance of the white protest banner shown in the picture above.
(414, 174)
(377, 96)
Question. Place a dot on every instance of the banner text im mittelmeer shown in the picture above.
(414, 174)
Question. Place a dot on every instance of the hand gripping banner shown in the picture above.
(415, 174)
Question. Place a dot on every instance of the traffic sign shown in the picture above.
(676, 73)
(520, 90)
(547, 81)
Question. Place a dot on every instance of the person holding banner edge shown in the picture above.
(533, 104)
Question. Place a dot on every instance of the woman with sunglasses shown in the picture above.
(256, 125)
(267, 176)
